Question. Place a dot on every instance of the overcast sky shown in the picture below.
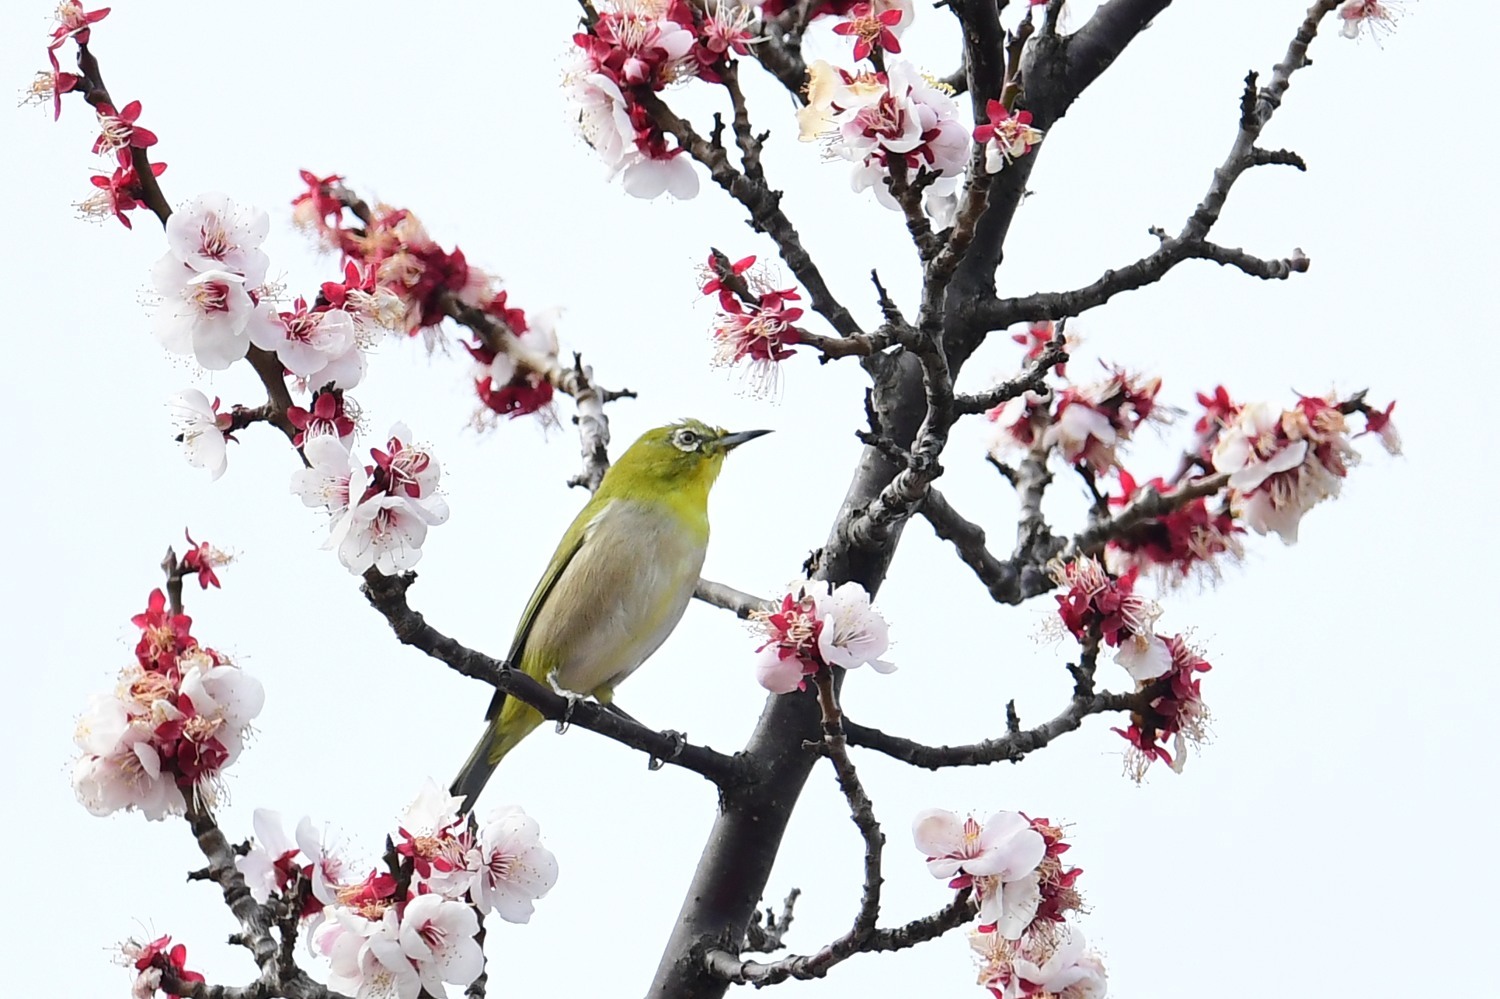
(1336, 837)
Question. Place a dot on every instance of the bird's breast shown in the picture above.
(621, 595)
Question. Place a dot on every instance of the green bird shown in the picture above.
(616, 586)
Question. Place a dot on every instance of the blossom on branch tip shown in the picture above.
(1282, 464)
(817, 627)
(1378, 17)
(1007, 136)
(1379, 423)
(119, 192)
(635, 43)
(74, 22)
(201, 430)
(202, 559)
(1090, 422)
(317, 208)
(760, 333)
(725, 29)
(177, 717)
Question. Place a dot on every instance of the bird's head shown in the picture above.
(682, 457)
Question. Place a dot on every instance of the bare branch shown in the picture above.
(728, 598)
(1011, 748)
(1256, 109)
(765, 932)
(387, 594)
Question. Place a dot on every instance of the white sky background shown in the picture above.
(1333, 840)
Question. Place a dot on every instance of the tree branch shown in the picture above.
(1256, 109)
(1011, 748)
(728, 598)
(387, 594)
(763, 204)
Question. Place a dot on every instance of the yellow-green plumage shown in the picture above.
(618, 583)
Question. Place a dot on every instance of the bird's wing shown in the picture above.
(567, 549)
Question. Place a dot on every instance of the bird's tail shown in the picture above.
(514, 722)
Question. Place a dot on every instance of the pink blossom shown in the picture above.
(75, 22)
(1188, 538)
(1378, 17)
(1282, 464)
(1177, 714)
(202, 559)
(118, 129)
(1006, 137)
(818, 626)
(512, 869)
(201, 430)
(119, 192)
(873, 29)
(49, 85)
(328, 414)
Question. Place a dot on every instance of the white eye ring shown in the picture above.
(686, 440)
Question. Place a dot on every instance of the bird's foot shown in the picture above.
(679, 743)
(567, 716)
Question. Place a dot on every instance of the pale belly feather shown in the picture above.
(620, 596)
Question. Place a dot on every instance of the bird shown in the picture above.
(617, 585)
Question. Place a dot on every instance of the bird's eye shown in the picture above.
(686, 440)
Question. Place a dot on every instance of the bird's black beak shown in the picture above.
(731, 441)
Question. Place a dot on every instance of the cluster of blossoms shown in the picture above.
(397, 277)
(647, 45)
(1177, 715)
(210, 280)
(1378, 17)
(1094, 602)
(506, 388)
(395, 933)
(757, 328)
(120, 137)
(1189, 538)
(1087, 424)
(378, 513)
(177, 717)
(876, 119)
(815, 627)
(1024, 893)
(1283, 463)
